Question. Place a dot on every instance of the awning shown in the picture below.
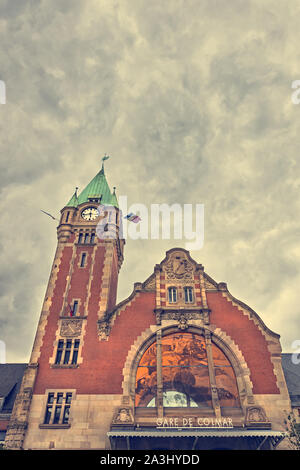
(197, 433)
(259, 437)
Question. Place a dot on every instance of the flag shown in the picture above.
(71, 310)
(132, 218)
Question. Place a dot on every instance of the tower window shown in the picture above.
(67, 352)
(80, 238)
(172, 294)
(188, 295)
(67, 216)
(86, 238)
(83, 260)
(58, 408)
(75, 308)
(75, 351)
(94, 199)
(59, 353)
(92, 238)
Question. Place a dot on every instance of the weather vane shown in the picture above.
(106, 157)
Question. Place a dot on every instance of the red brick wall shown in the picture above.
(103, 361)
(80, 277)
(248, 338)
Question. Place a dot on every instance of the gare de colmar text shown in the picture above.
(192, 422)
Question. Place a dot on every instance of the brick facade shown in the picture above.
(112, 338)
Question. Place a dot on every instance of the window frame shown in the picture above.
(188, 293)
(83, 259)
(209, 339)
(80, 238)
(57, 412)
(171, 291)
(67, 352)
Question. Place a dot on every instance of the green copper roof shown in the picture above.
(73, 202)
(114, 200)
(96, 188)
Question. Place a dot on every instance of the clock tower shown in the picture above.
(82, 287)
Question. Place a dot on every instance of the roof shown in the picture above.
(10, 380)
(97, 187)
(292, 376)
(73, 202)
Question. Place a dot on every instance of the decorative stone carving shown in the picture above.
(209, 285)
(256, 417)
(178, 267)
(158, 314)
(150, 284)
(71, 327)
(205, 314)
(182, 322)
(181, 317)
(103, 329)
(123, 416)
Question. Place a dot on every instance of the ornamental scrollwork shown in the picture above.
(103, 330)
(71, 327)
(179, 268)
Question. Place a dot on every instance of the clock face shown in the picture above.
(90, 213)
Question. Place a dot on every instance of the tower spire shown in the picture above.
(74, 199)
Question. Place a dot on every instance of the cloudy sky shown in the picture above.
(192, 101)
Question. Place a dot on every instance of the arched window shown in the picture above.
(172, 291)
(186, 367)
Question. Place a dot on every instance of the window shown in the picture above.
(80, 237)
(86, 238)
(94, 199)
(172, 294)
(75, 308)
(188, 295)
(67, 216)
(75, 351)
(59, 353)
(185, 372)
(67, 352)
(58, 408)
(92, 238)
(83, 259)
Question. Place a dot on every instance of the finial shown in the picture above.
(106, 157)
(114, 188)
(76, 189)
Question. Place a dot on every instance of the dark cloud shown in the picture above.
(191, 100)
